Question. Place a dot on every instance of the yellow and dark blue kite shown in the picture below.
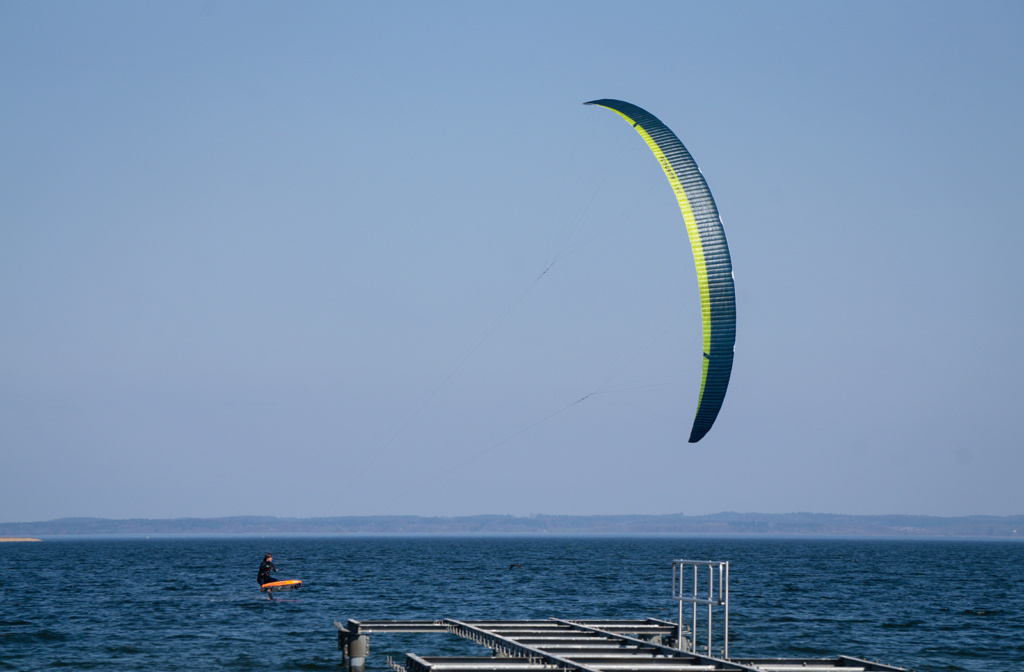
(710, 254)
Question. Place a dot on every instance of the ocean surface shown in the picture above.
(192, 603)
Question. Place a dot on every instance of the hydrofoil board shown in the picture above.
(278, 586)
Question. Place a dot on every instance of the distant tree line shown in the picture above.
(819, 524)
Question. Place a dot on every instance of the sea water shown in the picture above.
(159, 604)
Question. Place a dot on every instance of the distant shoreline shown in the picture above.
(740, 524)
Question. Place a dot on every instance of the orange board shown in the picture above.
(290, 584)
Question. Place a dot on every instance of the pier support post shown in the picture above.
(357, 650)
(354, 647)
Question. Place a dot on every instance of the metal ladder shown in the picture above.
(690, 585)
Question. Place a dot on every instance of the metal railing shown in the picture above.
(690, 585)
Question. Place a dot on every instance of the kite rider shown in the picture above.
(266, 567)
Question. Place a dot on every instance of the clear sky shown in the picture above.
(328, 258)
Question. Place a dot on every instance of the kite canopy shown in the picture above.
(710, 254)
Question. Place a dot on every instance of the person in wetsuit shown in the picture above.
(266, 567)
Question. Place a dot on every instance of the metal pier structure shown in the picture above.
(650, 645)
(573, 646)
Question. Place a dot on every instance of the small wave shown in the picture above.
(78, 664)
(903, 625)
(811, 650)
(317, 663)
(982, 612)
(123, 648)
(14, 623)
(958, 652)
(33, 637)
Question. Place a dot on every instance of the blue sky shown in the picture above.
(316, 259)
